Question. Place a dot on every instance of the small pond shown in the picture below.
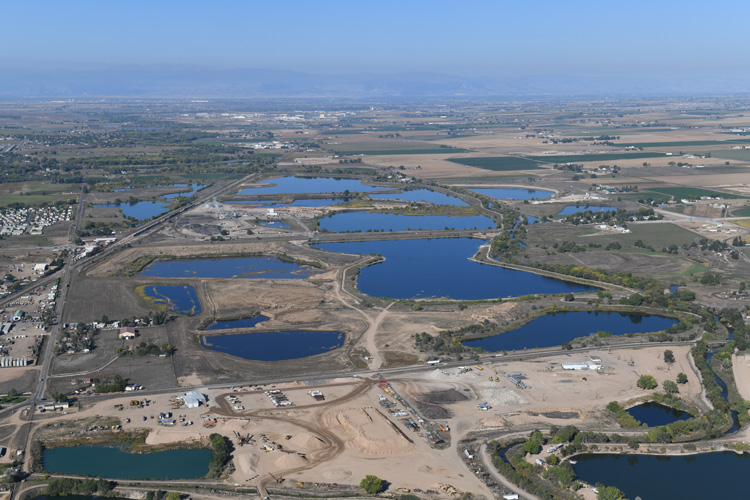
(555, 329)
(193, 189)
(655, 414)
(275, 346)
(274, 223)
(178, 298)
(116, 463)
(241, 267)
(368, 221)
(141, 210)
(237, 323)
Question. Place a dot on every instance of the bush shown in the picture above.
(670, 387)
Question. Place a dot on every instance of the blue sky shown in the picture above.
(471, 38)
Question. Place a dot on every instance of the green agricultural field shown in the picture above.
(732, 154)
(691, 192)
(685, 143)
(35, 199)
(499, 163)
(383, 152)
(741, 212)
(601, 157)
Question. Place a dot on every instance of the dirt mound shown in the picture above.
(306, 442)
(289, 461)
(445, 397)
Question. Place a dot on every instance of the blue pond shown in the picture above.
(368, 221)
(141, 210)
(572, 209)
(180, 298)
(237, 323)
(310, 185)
(193, 189)
(310, 202)
(531, 219)
(243, 267)
(668, 478)
(274, 223)
(555, 329)
(425, 195)
(654, 414)
(115, 463)
(513, 193)
(441, 268)
(275, 346)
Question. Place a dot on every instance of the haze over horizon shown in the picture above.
(390, 48)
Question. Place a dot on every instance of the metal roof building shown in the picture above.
(194, 399)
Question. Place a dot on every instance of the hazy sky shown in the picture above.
(472, 38)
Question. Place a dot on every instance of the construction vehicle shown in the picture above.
(401, 488)
(277, 479)
(300, 484)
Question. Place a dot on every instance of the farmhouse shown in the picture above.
(127, 333)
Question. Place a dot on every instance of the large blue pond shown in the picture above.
(703, 476)
(425, 195)
(368, 221)
(654, 414)
(275, 346)
(310, 202)
(113, 462)
(572, 209)
(513, 193)
(141, 210)
(441, 268)
(310, 185)
(555, 329)
(237, 323)
(179, 298)
(243, 267)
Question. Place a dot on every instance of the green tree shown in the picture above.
(531, 446)
(609, 493)
(172, 495)
(668, 357)
(647, 382)
(681, 378)
(372, 484)
(670, 387)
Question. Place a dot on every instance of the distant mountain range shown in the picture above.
(200, 82)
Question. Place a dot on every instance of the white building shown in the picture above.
(583, 365)
(194, 399)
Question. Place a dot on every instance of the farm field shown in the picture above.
(499, 164)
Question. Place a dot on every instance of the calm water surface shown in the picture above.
(180, 298)
(310, 185)
(654, 414)
(275, 346)
(694, 477)
(113, 462)
(555, 329)
(237, 323)
(243, 267)
(425, 195)
(142, 210)
(368, 221)
(441, 268)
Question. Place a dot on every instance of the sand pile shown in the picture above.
(289, 461)
(306, 442)
(367, 432)
(247, 465)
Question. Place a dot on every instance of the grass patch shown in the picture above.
(742, 223)
(691, 192)
(741, 212)
(499, 163)
(383, 152)
(732, 154)
(397, 358)
(604, 157)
